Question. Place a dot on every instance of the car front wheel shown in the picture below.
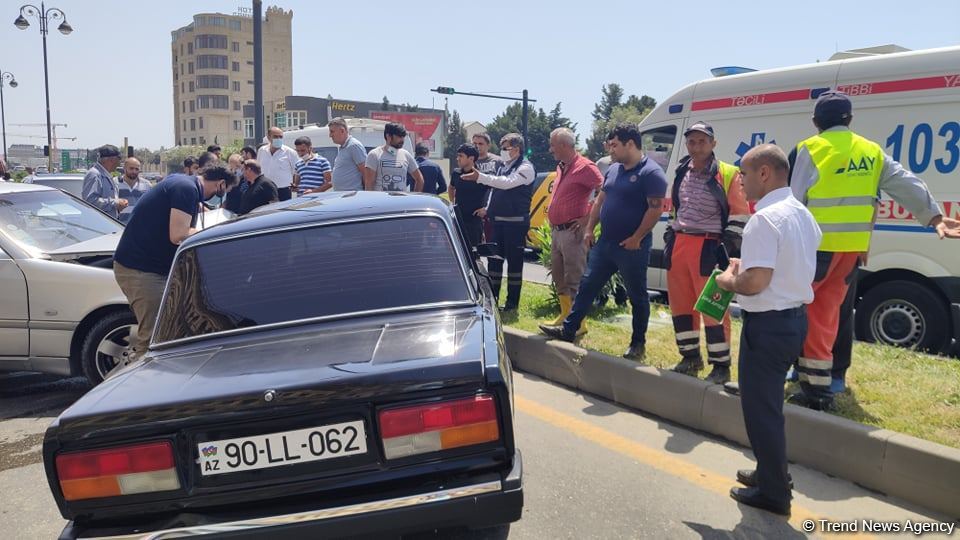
(108, 345)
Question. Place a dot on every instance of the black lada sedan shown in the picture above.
(329, 366)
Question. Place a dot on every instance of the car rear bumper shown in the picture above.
(478, 505)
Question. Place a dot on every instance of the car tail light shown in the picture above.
(125, 470)
(438, 426)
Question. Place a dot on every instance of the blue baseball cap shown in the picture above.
(832, 107)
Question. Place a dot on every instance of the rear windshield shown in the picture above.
(321, 271)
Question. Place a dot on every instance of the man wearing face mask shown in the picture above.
(166, 215)
(509, 209)
(278, 162)
(387, 166)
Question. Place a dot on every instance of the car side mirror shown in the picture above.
(487, 250)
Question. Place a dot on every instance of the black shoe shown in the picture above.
(816, 404)
(732, 388)
(751, 496)
(719, 375)
(748, 477)
(508, 309)
(689, 366)
(555, 332)
(635, 352)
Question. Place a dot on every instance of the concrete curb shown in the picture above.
(918, 471)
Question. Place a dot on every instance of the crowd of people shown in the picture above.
(791, 263)
(791, 258)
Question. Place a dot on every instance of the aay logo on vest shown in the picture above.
(862, 167)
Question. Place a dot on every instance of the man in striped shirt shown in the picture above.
(314, 174)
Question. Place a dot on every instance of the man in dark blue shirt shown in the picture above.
(165, 216)
(629, 205)
(433, 180)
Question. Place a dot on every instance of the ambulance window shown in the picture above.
(658, 144)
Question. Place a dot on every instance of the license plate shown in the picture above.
(283, 448)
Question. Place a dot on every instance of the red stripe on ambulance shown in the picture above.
(755, 99)
(951, 80)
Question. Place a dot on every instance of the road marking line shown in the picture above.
(657, 459)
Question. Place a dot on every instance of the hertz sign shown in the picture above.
(344, 107)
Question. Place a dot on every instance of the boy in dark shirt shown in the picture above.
(468, 196)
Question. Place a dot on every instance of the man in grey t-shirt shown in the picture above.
(387, 166)
(351, 156)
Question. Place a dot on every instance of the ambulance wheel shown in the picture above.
(904, 314)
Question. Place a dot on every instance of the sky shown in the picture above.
(111, 78)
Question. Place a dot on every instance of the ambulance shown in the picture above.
(909, 103)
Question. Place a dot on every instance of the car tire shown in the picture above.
(107, 343)
(904, 314)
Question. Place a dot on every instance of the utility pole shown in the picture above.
(526, 112)
(526, 107)
(257, 72)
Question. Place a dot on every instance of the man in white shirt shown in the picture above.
(278, 162)
(773, 281)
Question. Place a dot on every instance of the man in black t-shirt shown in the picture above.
(166, 215)
(262, 190)
(468, 196)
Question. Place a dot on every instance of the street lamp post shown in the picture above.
(5, 77)
(44, 16)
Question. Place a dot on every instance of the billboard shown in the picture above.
(425, 127)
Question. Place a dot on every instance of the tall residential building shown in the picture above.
(213, 72)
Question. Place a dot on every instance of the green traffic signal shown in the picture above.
(445, 90)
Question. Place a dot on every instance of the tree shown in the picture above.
(612, 95)
(539, 126)
(612, 110)
(173, 157)
(385, 106)
(453, 138)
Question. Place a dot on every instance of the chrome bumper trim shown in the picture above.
(314, 515)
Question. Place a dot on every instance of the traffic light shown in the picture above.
(445, 90)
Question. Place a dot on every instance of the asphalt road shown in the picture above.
(592, 470)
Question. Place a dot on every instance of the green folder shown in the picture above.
(713, 301)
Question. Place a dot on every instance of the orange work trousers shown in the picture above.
(685, 281)
(834, 273)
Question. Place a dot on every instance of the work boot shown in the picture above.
(689, 366)
(720, 374)
(636, 352)
(556, 332)
(565, 305)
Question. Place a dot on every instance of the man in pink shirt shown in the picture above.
(577, 180)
